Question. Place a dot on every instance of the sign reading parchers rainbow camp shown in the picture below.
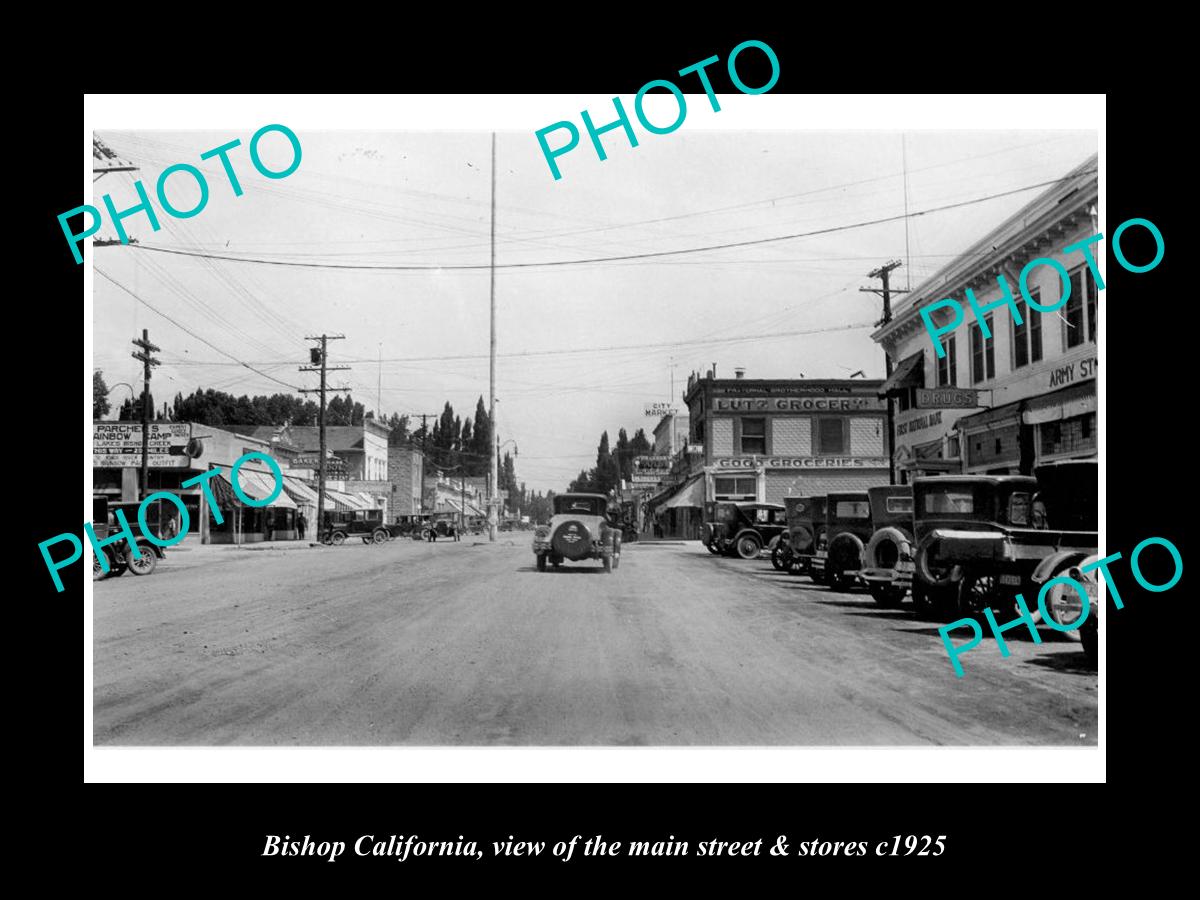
(117, 445)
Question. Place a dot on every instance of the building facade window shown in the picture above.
(947, 365)
(832, 436)
(983, 352)
(735, 488)
(1027, 337)
(1079, 317)
(754, 437)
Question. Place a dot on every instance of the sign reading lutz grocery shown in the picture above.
(117, 445)
(797, 404)
(801, 462)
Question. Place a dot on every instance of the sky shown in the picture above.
(582, 347)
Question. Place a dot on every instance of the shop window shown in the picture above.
(833, 437)
(1027, 337)
(947, 365)
(735, 488)
(754, 437)
(983, 352)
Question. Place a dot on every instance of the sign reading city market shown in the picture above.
(119, 444)
(801, 462)
(658, 410)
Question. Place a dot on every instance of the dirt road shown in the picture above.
(465, 643)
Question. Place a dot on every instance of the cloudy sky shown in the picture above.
(582, 346)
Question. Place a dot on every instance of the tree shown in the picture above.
(100, 404)
(623, 455)
(481, 440)
(131, 411)
(640, 445)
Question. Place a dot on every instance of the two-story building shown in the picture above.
(1025, 395)
(766, 439)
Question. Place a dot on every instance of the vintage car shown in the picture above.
(710, 528)
(118, 555)
(888, 555)
(983, 539)
(797, 537)
(361, 523)
(838, 558)
(744, 529)
(581, 528)
(806, 531)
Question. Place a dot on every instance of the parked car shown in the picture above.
(1065, 605)
(744, 529)
(710, 528)
(806, 531)
(581, 528)
(838, 558)
(361, 523)
(888, 555)
(118, 555)
(980, 540)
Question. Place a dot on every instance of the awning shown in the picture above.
(260, 486)
(1066, 403)
(343, 502)
(909, 373)
(692, 495)
(991, 419)
(664, 494)
(299, 491)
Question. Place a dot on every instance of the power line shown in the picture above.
(184, 328)
(605, 259)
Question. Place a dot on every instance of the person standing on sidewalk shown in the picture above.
(301, 523)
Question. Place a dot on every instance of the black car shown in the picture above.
(744, 529)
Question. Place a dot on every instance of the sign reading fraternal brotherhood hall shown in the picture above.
(801, 462)
(118, 445)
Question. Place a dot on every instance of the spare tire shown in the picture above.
(885, 547)
(929, 571)
(846, 552)
(572, 540)
(801, 538)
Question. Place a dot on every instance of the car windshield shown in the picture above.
(852, 509)
(583, 506)
(899, 504)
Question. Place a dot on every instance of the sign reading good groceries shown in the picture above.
(802, 462)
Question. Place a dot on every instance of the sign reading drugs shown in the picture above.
(945, 398)
(118, 445)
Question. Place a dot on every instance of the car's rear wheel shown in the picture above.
(379, 536)
(781, 557)
(748, 546)
(337, 538)
(143, 564)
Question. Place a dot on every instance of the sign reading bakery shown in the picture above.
(801, 462)
(822, 403)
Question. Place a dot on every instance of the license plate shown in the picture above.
(1011, 579)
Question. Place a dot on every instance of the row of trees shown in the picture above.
(612, 464)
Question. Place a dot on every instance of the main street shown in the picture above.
(465, 643)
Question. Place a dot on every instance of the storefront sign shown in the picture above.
(118, 445)
(802, 462)
(648, 464)
(918, 423)
(946, 398)
(796, 404)
(1080, 370)
(658, 410)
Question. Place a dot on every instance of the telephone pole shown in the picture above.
(147, 362)
(319, 357)
(886, 292)
(492, 501)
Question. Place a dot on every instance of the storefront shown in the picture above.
(765, 440)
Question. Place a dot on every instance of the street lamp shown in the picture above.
(132, 394)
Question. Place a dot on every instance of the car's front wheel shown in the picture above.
(143, 564)
(379, 536)
(748, 547)
(781, 557)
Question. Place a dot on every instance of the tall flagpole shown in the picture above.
(495, 498)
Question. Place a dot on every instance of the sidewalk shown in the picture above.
(192, 545)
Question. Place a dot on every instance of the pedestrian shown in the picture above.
(301, 523)
(431, 533)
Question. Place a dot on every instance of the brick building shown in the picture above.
(766, 439)
(406, 473)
